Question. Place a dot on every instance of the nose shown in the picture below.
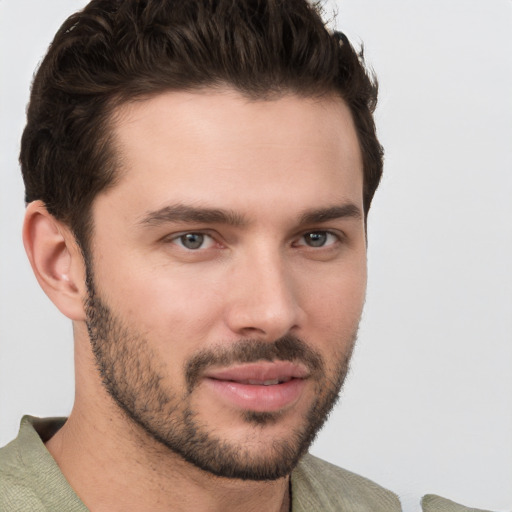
(263, 300)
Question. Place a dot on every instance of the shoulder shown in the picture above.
(432, 503)
(318, 485)
(16, 493)
(29, 477)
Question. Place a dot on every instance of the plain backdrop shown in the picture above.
(428, 404)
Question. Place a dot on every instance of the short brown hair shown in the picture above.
(114, 51)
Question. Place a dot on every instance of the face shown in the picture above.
(227, 274)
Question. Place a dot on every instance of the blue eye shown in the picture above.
(318, 239)
(194, 241)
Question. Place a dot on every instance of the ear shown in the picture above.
(56, 260)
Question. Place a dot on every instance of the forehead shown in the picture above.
(219, 146)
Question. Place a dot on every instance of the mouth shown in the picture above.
(260, 387)
(271, 382)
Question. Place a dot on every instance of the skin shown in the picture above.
(269, 163)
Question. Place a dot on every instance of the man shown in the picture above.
(198, 176)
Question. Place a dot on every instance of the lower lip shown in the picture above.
(258, 398)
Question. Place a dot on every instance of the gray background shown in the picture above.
(428, 405)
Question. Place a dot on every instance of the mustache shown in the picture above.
(286, 348)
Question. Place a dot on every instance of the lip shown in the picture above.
(259, 387)
(263, 370)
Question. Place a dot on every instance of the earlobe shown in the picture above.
(55, 259)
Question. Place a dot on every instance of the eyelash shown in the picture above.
(178, 239)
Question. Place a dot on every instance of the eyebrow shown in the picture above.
(202, 215)
(334, 212)
(191, 214)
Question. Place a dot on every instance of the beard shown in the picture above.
(135, 377)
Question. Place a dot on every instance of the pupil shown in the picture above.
(317, 239)
(192, 240)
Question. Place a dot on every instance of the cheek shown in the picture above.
(334, 314)
(336, 298)
(171, 309)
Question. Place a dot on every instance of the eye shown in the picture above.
(194, 241)
(318, 239)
